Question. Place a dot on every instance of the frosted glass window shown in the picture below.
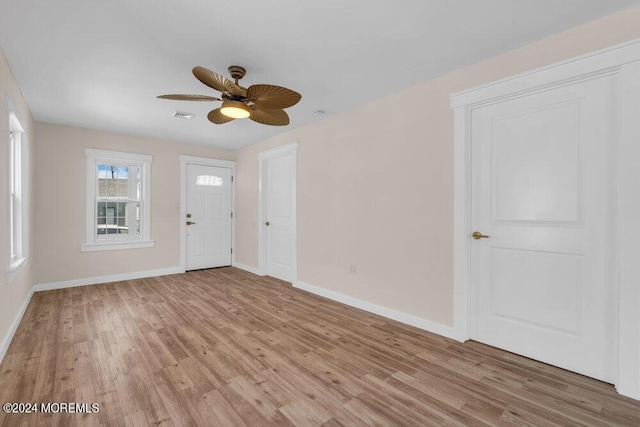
(210, 180)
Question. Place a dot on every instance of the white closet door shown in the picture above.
(541, 184)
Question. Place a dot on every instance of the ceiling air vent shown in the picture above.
(183, 115)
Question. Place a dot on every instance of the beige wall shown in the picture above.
(13, 295)
(375, 185)
(60, 194)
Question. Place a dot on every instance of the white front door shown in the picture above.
(541, 190)
(279, 215)
(208, 217)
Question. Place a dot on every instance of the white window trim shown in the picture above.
(92, 244)
(15, 265)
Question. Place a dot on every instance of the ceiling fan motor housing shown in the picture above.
(237, 72)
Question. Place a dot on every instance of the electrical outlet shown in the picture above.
(353, 269)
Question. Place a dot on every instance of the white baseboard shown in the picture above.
(107, 279)
(248, 268)
(427, 325)
(632, 392)
(14, 326)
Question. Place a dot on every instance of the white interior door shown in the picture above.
(208, 219)
(541, 181)
(279, 215)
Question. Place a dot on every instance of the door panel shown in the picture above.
(209, 204)
(540, 190)
(536, 165)
(280, 247)
(538, 279)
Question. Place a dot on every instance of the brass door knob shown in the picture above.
(190, 223)
(478, 235)
(266, 223)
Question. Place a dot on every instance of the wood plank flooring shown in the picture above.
(223, 347)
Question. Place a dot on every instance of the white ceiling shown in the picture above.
(101, 64)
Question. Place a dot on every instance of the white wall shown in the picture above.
(375, 185)
(12, 296)
(60, 194)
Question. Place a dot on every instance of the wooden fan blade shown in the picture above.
(216, 81)
(269, 117)
(273, 97)
(180, 97)
(215, 116)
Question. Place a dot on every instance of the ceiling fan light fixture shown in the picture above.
(235, 109)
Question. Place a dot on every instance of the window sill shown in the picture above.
(116, 246)
(14, 269)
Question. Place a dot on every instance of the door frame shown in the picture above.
(203, 161)
(262, 206)
(622, 62)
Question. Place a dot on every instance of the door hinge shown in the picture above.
(231, 178)
(231, 250)
(231, 214)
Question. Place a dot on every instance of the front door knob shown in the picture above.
(266, 223)
(478, 235)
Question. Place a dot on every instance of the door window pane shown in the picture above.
(210, 180)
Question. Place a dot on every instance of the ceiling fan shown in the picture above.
(261, 103)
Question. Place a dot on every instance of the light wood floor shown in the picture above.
(224, 347)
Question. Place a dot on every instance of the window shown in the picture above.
(209, 180)
(18, 221)
(118, 200)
